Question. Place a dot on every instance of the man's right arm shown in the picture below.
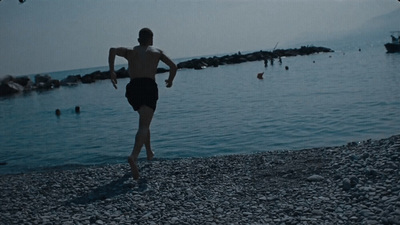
(111, 60)
(115, 52)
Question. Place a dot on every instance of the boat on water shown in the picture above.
(394, 46)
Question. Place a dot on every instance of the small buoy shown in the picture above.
(260, 75)
(58, 112)
(77, 109)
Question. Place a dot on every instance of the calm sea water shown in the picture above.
(322, 100)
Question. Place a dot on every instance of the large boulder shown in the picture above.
(70, 80)
(162, 70)
(187, 64)
(122, 73)
(10, 88)
(44, 82)
(6, 79)
(24, 81)
(55, 83)
(98, 75)
(42, 78)
(88, 78)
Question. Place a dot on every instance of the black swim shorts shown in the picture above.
(142, 91)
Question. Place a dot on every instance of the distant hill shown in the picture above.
(375, 31)
(384, 23)
(378, 28)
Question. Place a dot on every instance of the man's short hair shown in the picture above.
(145, 35)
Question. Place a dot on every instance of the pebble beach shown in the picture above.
(357, 183)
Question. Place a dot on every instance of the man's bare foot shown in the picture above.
(134, 169)
(150, 154)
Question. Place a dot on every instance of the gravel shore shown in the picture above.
(357, 183)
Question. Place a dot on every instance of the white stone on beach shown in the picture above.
(315, 178)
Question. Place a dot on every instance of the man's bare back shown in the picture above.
(143, 61)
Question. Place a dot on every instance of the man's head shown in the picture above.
(145, 37)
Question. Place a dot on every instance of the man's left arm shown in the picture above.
(172, 69)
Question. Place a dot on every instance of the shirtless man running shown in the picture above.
(142, 91)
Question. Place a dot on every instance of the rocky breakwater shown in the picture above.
(12, 85)
(202, 63)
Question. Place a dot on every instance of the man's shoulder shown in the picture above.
(155, 49)
(148, 48)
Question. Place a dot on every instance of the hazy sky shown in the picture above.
(53, 35)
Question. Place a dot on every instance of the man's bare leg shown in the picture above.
(145, 116)
(149, 152)
(134, 169)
